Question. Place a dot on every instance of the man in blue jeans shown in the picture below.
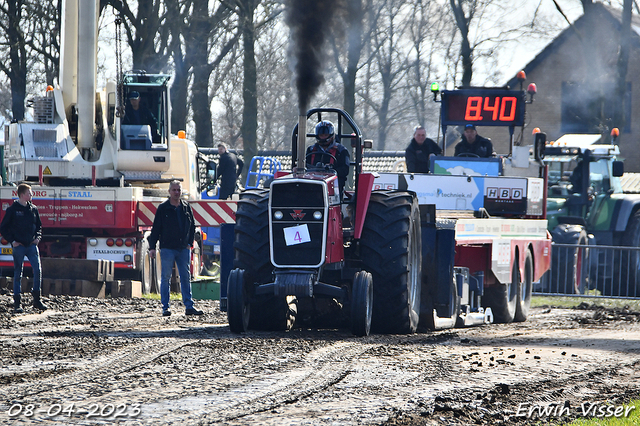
(21, 226)
(175, 227)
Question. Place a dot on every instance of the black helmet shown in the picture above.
(325, 127)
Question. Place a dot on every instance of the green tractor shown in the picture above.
(591, 220)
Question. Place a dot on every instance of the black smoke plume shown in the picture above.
(310, 22)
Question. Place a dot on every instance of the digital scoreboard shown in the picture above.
(483, 107)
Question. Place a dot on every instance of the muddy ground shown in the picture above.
(90, 361)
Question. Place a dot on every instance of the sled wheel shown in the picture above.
(361, 304)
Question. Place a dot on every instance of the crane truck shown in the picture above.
(98, 181)
(399, 251)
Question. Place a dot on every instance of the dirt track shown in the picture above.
(119, 361)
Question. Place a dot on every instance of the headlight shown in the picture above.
(277, 215)
(317, 215)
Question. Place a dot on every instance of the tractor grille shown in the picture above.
(298, 239)
(298, 194)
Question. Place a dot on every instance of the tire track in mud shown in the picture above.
(97, 370)
(324, 368)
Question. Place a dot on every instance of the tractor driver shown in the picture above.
(329, 152)
(474, 145)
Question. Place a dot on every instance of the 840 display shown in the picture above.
(484, 107)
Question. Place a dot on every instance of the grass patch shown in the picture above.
(571, 302)
(633, 419)
(156, 296)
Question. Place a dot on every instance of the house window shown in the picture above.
(584, 112)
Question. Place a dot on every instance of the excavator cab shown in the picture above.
(144, 133)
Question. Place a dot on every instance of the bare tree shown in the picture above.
(463, 12)
(389, 64)
(146, 32)
(349, 49)
(429, 33)
(45, 41)
(15, 28)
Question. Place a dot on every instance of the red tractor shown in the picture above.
(303, 249)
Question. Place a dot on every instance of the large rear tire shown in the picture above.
(251, 244)
(251, 247)
(391, 249)
(238, 307)
(503, 299)
(569, 274)
(630, 274)
(361, 304)
(524, 290)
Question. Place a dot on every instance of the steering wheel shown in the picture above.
(323, 154)
(468, 154)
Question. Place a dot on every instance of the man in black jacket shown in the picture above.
(137, 113)
(175, 227)
(229, 170)
(419, 151)
(21, 226)
(474, 144)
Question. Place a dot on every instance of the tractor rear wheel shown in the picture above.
(361, 303)
(569, 274)
(630, 271)
(238, 308)
(524, 291)
(251, 244)
(252, 254)
(391, 249)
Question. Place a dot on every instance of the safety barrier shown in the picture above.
(595, 271)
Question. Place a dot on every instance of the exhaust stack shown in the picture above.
(302, 137)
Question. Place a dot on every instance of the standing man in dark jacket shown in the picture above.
(175, 227)
(229, 170)
(472, 143)
(21, 226)
(419, 150)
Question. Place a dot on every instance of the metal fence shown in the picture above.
(598, 271)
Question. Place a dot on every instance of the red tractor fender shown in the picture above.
(365, 184)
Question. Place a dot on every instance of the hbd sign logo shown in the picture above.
(505, 193)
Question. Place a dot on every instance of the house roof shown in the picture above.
(611, 14)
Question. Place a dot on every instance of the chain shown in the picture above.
(120, 74)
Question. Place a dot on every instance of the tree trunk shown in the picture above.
(249, 128)
(354, 48)
(466, 52)
(197, 47)
(17, 72)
